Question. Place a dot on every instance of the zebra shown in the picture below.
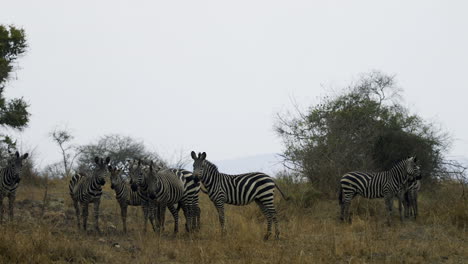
(167, 188)
(10, 178)
(86, 189)
(125, 195)
(138, 184)
(191, 190)
(386, 184)
(239, 189)
(411, 198)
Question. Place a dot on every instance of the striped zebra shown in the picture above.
(138, 184)
(237, 190)
(167, 188)
(411, 198)
(86, 189)
(191, 190)
(386, 184)
(126, 196)
(10, 178)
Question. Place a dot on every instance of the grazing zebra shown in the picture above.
(191, 190)
(386, 184)
(237, 190)
(10, 178)
(138, 184)
(125, 195)
(86, 189)
(167, 188)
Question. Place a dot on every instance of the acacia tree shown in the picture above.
(366, 127)
(118, 148)
(13, 112)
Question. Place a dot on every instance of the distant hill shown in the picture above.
(268, 163)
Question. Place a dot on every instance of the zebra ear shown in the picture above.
(96, 159)
(109, 168)
(17, 154)
(107, 160)
(194, 155)
(203, 155)
(25, 156)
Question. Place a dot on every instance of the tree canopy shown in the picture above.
(366, 127)
(13, 112)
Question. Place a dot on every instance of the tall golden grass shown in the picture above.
(309, 235)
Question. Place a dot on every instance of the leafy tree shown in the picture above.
(14, 112)
(366, 127)
(118, 148)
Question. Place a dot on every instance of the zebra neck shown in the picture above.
(9, 176)
(398, 173)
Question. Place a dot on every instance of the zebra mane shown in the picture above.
(212, 166)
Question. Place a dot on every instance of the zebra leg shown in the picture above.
(400, 205)
(145, 216)
(197, 213)
(77, 212)
(220, 208)
(175, 214)
(267, 211)
(123, 213)
(388, 202)
(84, 215)
(11, 201)
(151, 214)
(96, 216)
(415, 204)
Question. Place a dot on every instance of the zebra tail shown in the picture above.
(282, 194)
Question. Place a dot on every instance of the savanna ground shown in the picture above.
(44, 234)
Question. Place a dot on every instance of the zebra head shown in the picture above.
(115, 178)
(99, 172)
(198, 164)
(154, 184)
(135, 174)
(412, 169)
(15, 163)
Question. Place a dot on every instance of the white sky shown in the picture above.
(211, 75)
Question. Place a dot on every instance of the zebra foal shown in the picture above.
(239, 189)
(386, 184)
(10, 178)
(86, 189)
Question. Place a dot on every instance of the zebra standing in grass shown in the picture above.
(191, 190)
(386, 184)
(167, 188)
(88, 189)
(138, 184)
(411, 198)
(237, 190)
(126, 196)
(10, 178)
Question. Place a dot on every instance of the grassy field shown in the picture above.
(44, 234)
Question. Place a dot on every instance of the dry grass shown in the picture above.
(312, 235)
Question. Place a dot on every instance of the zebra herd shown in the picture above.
(154, 188)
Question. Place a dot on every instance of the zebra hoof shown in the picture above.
(266, 237)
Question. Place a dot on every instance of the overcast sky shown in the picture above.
(212, 75)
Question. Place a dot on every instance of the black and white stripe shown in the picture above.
(166, 188)
(411, 198)
(237, 190)
(191, 190)
(10, 178)
(125, 195)
(86, 189)
(139, 185)
(386, 184)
